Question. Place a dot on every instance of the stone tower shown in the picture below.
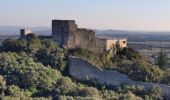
(24, 32)
(62, 30)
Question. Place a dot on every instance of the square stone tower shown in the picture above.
(24, 32)
(62, 30)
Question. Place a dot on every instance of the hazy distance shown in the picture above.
(136, 15)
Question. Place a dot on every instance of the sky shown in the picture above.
(141, 15)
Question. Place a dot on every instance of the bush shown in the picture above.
(2, 85)
(66, 86)
(63, 97)
(26, 73)
(144, 71)
(15, 91)
(162, 60)
(34, 43)
(86, 54)
(54, 58)
(14, 45)
(129, 53)
(31, 43)
(134, 89)
(154, 94)
(89, 91)
(130, 96)
(109, 95)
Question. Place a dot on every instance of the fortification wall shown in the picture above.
(82, 70)
(66, 33)
(100, 45)
(85, 38)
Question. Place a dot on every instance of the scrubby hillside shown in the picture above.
(31, 68)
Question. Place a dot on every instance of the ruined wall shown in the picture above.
(85, 38)
(82, 70)
(100, 45)
(123, 43)
(65, 33)
(111, 44)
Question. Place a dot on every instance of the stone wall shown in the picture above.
(111, 42)
(24, 32)
(85, 38)
(82, 70)
(67, 34)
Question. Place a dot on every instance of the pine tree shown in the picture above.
(162, 60)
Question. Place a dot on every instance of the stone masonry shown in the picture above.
(67, 34)
(82, 70)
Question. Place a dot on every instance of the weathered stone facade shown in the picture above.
(67, 34)
(110, 43)
(83, 70)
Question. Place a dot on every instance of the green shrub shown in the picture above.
(66, 86)
(55, 58)
(130, 96)
(26, 73)
(14, 45)
(86, 54)
(129, 53)
(144, 71)
(2, 85)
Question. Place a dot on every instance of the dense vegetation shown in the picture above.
(129, 62)
(31, 68)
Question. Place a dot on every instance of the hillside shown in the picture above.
(31, 68)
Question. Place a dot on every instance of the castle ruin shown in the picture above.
(24, 32)
(66, 34)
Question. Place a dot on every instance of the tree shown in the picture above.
(34, 43)
(15, 91)
(31, 43)
(89, 91)
(129, 53)
(130, 96)
(14, 45)
(144, 71)
(66, 86)
(105, 58)
(118, 48)
(162, 60)
(50, 54)
(24, 72)
(2, 85)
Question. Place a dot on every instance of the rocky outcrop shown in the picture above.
(82, 70)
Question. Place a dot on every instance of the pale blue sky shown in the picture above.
(149, 15)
